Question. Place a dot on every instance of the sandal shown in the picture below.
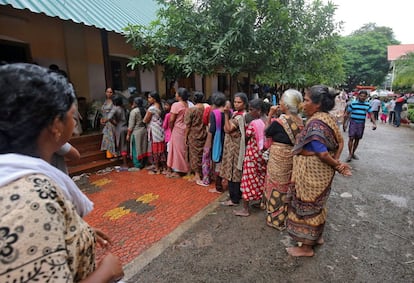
(150, 167)
(200, 183)
(173, 175)
(154, 172)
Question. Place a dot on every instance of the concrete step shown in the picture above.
(87, 156)
(93, 166)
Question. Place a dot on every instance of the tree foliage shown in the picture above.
(290, 42)
(365, 55)
(404, 73)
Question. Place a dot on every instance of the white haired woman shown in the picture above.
(282, 131)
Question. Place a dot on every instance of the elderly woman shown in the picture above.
(316, 158)
(43, 237)
(282, 131)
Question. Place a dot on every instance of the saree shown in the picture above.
(311, 180)
(278, 175)
(197, 134)
(139, 138)
(254, 166)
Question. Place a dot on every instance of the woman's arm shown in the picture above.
(147, 117)
(108, 270)
(131, 124)
(73, 154)
(173, 117)
(272, 111)
(228, 126)
(339, 151)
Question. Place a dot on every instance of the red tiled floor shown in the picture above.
(137, 209)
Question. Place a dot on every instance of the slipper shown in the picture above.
(200, 183)
(189, 177)
(173, 175)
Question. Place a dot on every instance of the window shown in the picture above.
(123, 77)
(14, 52)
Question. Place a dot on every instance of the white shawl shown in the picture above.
(14, 166)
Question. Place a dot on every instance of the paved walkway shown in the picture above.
(138, 210)
(144, 214)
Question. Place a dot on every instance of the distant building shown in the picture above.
(83, 38)
(394, 52)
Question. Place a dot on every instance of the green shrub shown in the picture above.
(410, 115)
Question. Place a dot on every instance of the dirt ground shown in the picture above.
(369, 233)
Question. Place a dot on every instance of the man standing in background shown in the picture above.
(357, 112)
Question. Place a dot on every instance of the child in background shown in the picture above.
(206, 159)
(167, 130)
(384, 114)
(66, 151)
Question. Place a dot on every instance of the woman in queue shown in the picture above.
(282, 131)
(177, 160)
(137, 135)
(234, 147)
(316, 159)
(154, 118)
(43, 237)
(195, 135)
(108, 132)
(254, 165)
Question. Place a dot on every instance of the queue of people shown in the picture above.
(225, 143)
(292, 185)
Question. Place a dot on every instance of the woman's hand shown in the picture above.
(102, 239)
(344, 169)
(226, 109)
(108, 270)
(112, 267)
(274, 109)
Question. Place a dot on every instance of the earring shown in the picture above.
(57, 137)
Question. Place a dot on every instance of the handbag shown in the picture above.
(217, 147)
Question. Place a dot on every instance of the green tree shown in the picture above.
(365, 55)
(404, 73)
(277, 41)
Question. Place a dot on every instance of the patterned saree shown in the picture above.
(311, 180)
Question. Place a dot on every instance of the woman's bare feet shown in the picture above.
(320, 241)
(215, 191)
(304, 250)
(228, 203)
(241, 212)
